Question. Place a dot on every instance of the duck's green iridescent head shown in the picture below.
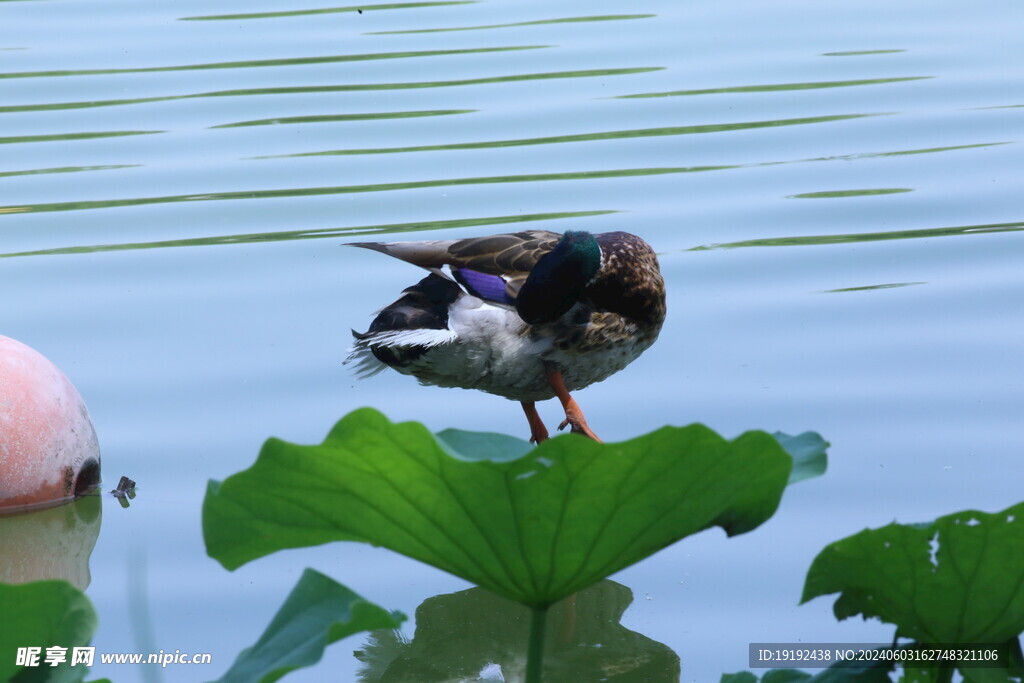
(559, 278)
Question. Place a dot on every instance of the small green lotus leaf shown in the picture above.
(318, 612)
(841, 672)
(809, 454)
(956, 580)
(483, 445)
(739, 677)
(534, 529)
(809, 450)
(785, 676)
(43, 614)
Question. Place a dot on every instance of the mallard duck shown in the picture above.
(529, 316)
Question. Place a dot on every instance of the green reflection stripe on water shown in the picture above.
(927, 150)
(65, 169)
(350, 189)
(818, 240)
(60, 137)
(332, 118)
(857, 53)
(563, 20)
(876, 155)
(998, 106)
(320, 233)
(778, 87)
(867, 288)
(311, 89)
(263, 63)
(836, 194)
(584, 137)
(357, 87)
(57, 106)
(326, 10)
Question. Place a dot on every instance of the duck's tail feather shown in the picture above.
(396, 346)
(430, 255)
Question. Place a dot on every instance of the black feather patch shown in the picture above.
(424, 306)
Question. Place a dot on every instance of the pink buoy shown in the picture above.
(48, 447)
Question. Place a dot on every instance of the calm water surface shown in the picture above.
(833, 190)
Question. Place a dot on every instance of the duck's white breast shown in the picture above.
(495, 351)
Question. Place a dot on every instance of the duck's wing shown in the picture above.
(492, 268)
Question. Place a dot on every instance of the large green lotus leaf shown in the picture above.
(43, 614)
(956, 580)
(534, 529)
(318, 612)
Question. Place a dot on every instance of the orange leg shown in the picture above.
(538, 432)
(573, 414)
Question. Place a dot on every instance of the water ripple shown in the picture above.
(354, 87)
(262, 63)
(585, 137)
(448, 182)
(859, 53)
(349, 189)
(818, 240)
(779, 87)
(320, 233)
(326, 10)
(538, 22)
(838, 194)
(74, 136)
(65, 169)
(868, 288)
(334, 118)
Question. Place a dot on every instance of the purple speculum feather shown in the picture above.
(487, 287)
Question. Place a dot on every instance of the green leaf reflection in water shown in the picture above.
(347, 232)
(462, 634)
(849, 672)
